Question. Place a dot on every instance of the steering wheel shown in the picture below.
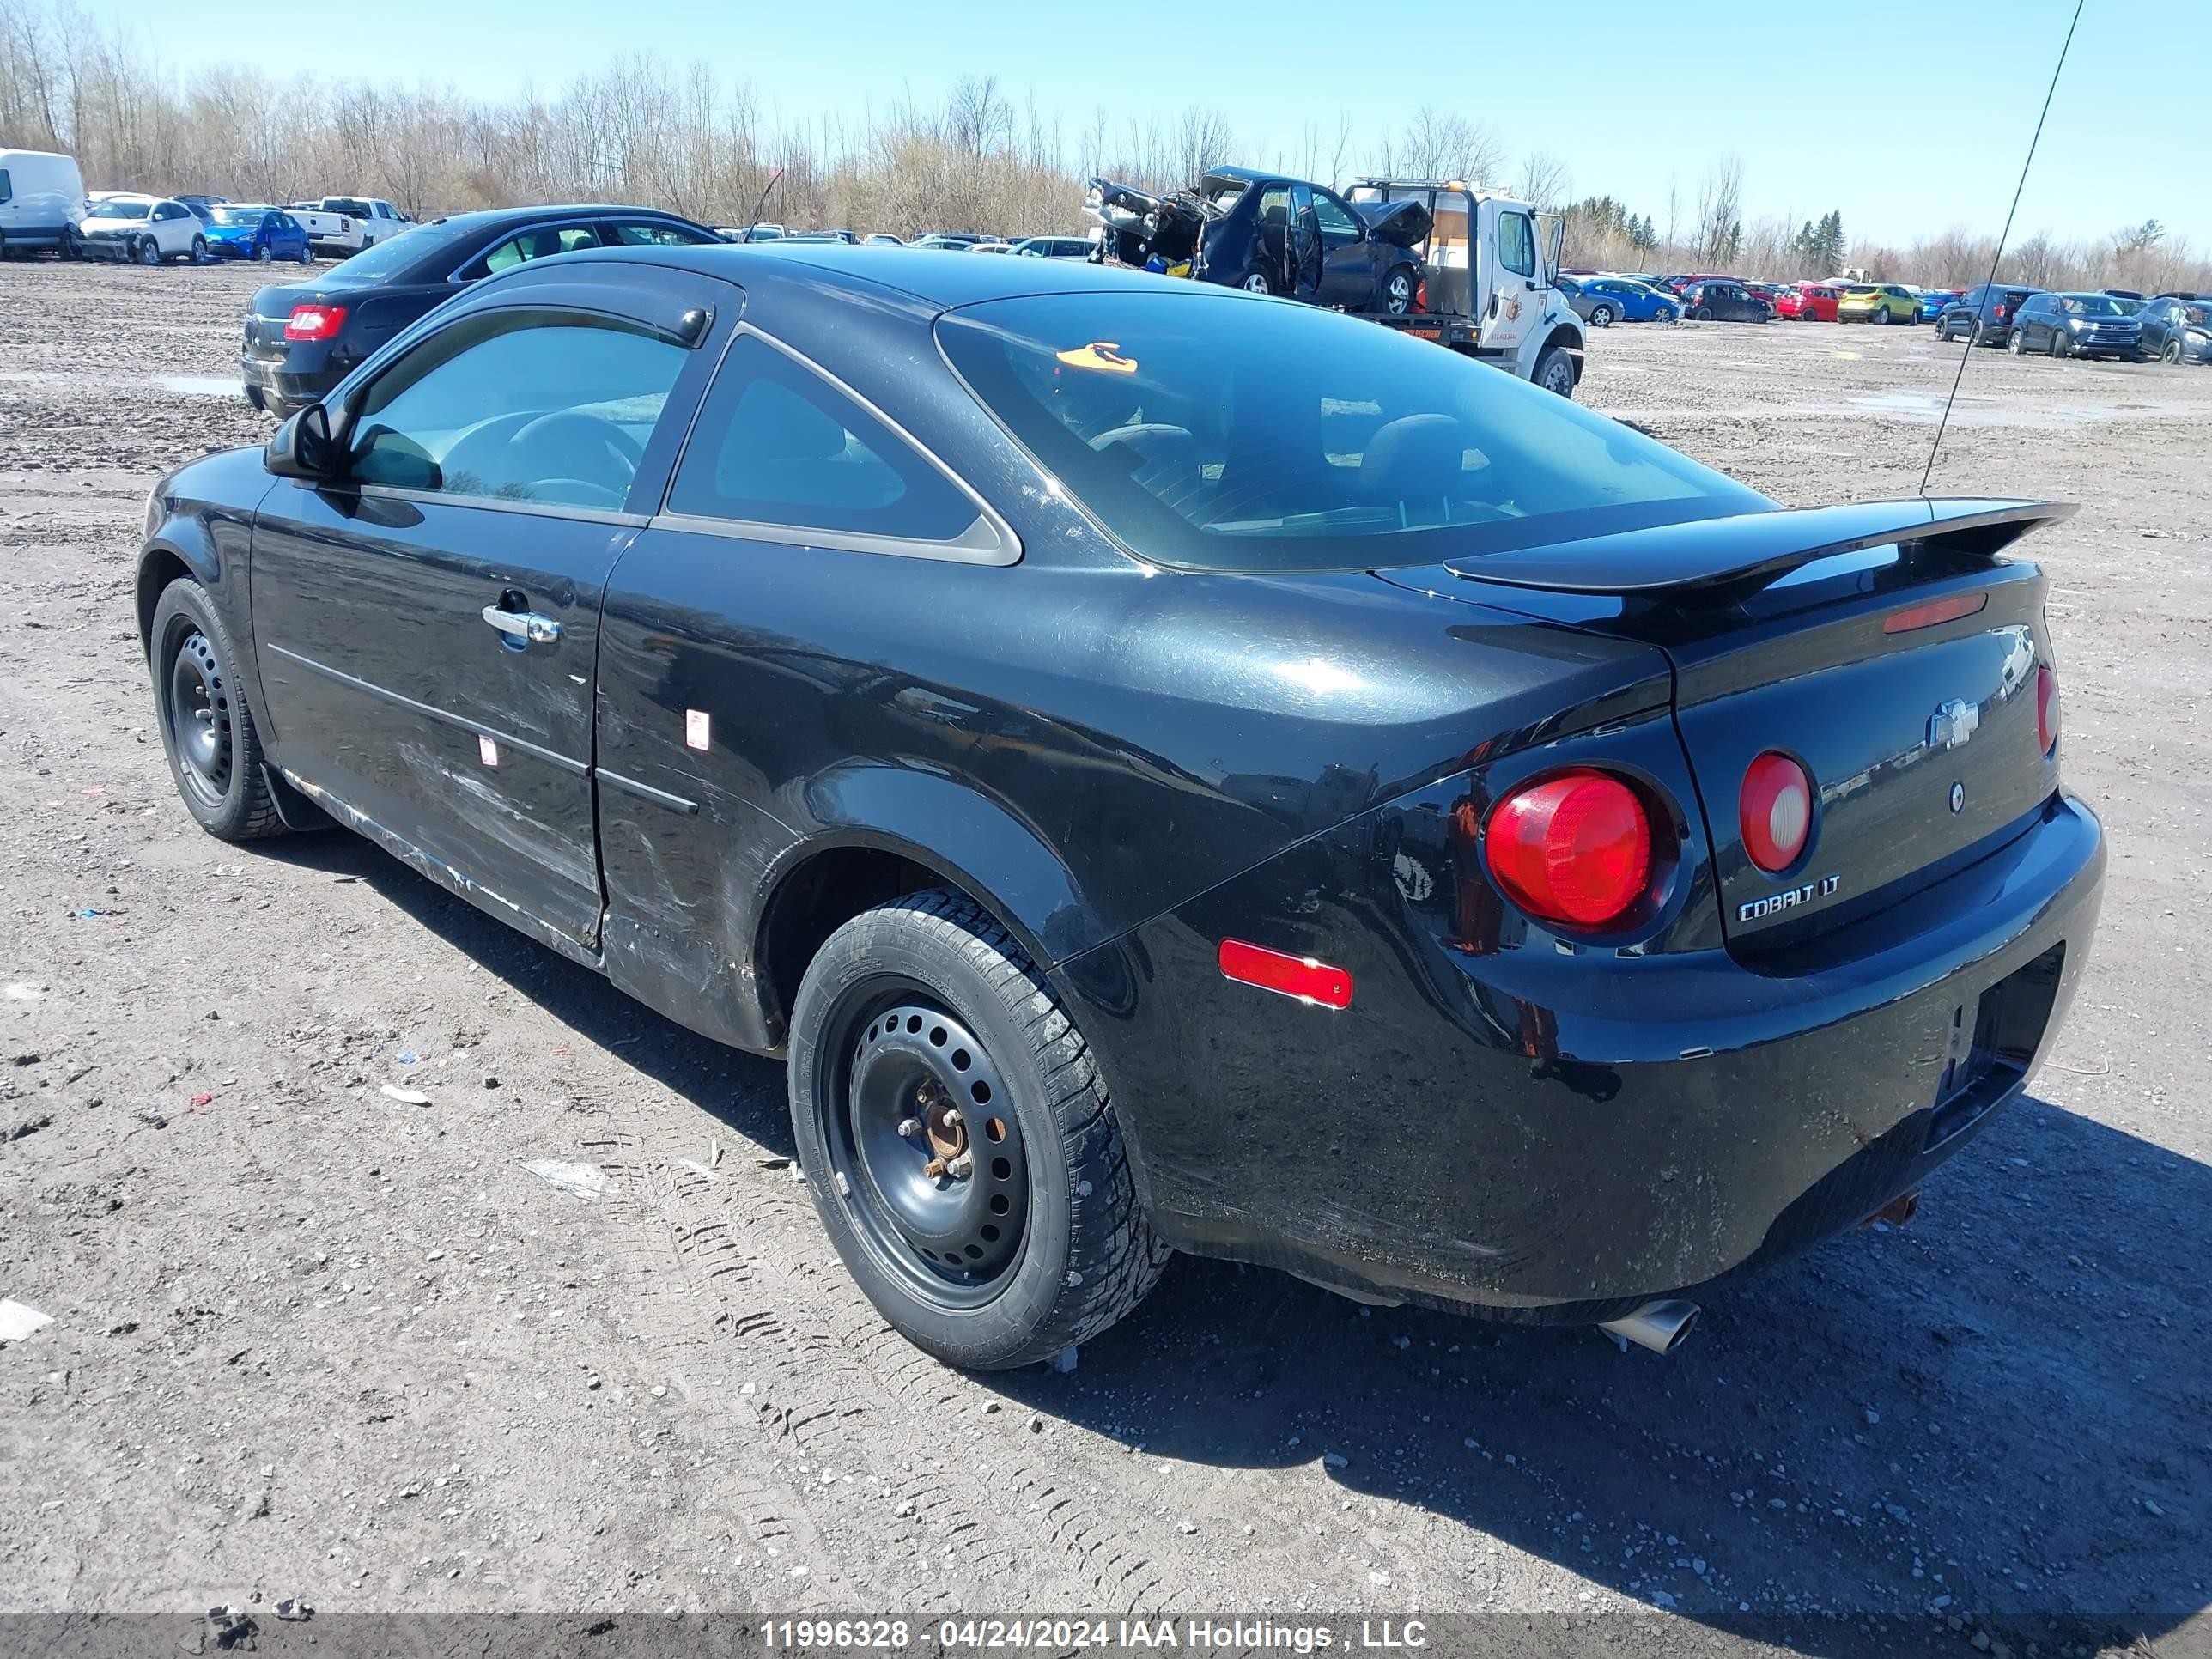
(575, 446)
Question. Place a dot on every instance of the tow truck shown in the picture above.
(1489, 280)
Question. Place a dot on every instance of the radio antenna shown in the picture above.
(2004, 236)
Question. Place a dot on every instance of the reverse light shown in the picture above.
(1291, 976)
(2047, 707)
(1575, 847)
(314, 322)
(1775, 810)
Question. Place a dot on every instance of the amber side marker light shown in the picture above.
(1287, 975)
(1934, 611)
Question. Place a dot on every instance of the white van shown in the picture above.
(41, 203)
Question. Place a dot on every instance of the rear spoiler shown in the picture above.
(1718, 562)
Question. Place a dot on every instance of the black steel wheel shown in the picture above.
(957, 1140)
(207, 728)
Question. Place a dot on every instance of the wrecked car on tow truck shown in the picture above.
(1268, 234)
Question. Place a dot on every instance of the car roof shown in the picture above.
(943, 280)
(497, 218)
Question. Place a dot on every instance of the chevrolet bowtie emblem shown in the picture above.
(1953, 723)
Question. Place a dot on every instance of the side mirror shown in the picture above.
(301, 447)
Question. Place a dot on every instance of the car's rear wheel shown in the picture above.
(1703, 314)
(958, 1141)
(199, 251)
(1601, 316)
(1879, 316)
(207, 728)
(264, 254)
(1256, 280)
(306, 254)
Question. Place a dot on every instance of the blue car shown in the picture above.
(1602, 301)
(265, 233)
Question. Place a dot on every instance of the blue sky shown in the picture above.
(1858, 107)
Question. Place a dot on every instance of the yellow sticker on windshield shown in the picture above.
(1102, 355)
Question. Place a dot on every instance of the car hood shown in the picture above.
(1401, 224)
(229, 233)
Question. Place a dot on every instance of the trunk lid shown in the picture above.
(1811, 632)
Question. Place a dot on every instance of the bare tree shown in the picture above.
(1440, 144)
(1543, 180)
(1719, 227)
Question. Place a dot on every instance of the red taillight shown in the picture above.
(2047, 707)
(313, 322)
(1576, 848)
(1999, 313)
(1292, 977)
(1775, 810)
(1935, 610)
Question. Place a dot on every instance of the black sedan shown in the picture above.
(1168, 770)
(302, 338)
(1721, 301)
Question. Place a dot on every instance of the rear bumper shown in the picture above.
(292, 382)
(1543, 1134)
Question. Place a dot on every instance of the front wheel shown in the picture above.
(264, 254)
(1399, 288)
(2062, 343)
(2172, 354)
(207, 728)
(1555, 372)
(1601, 317)
(148, 251)
(2017, 343)
(1703, 314)
(959, 1141)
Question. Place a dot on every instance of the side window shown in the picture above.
(6, 187)
(1516, 244)
(648, 234)
(540, 245)
(518, 406)
(1337, 223)
(777, 444)
(1275, 208)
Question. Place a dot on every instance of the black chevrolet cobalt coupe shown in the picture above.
(1168, 768)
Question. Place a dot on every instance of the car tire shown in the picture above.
(1555, 372)
(198, 255)
(2062, 343)
(905, 1009)
(206, 726)
(1396, 295)
(71, 246)
(1703, 314)
(1879, 316)
(306, 254)
(2017, 343)
(148, 252)
(263, 253)
(1258, 281)
(2172, 354)
(1600, 316)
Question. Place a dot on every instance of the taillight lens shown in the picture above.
(1775, 810)
(1576, 848)
(313, 322)
(2047, 707)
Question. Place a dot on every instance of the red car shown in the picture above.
(1807, 302)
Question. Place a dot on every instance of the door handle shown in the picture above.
(527, 626)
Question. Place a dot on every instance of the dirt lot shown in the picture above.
(308, 1340)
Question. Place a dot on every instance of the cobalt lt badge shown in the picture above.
(1958, 796)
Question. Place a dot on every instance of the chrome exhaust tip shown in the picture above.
(1659, 1326)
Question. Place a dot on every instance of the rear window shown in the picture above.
(394, 259)
(1211, 431)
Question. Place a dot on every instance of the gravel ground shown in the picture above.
(310, 1341)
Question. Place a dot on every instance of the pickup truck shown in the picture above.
(343, 225)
